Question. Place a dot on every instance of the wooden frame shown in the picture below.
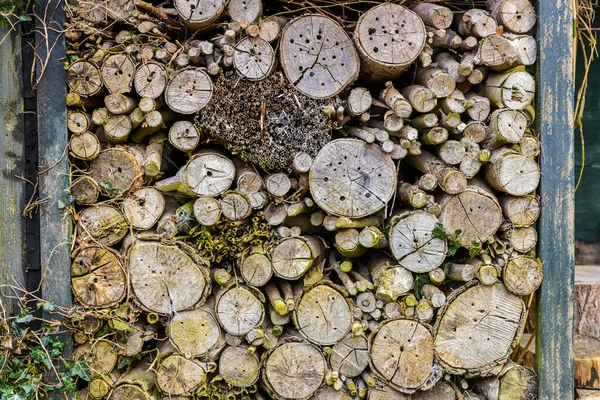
(556, 228)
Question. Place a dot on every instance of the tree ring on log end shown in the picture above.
(165, 279)
(194, 333)
(253, 58)
(117, 73)
(189, 91)
(323, 315)
(350, 356)
(178, 376)
(239, 311)
(102, 225)
(478, 328)
(143, 208)
(199, 14)
(295, 370)
(318, 56)
(150, 80)
(84, 79)
(522, 275)
(99, 279)
(351, 178)
(389, 37)
(239, 367)
(413, 244)
(292, 257)
(402, 353)
(209, 174)
(116, 170)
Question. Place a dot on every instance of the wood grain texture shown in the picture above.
(12, 162)
(556, 229)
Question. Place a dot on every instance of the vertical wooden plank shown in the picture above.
(554, 339)
(53, 168)
(12, 161)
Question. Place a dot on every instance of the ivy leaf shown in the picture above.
(420, 281)
(39, 356)
(81, 369)
(439, 231)
(121, 326)
(109, 188)
(49, 306)
(24, 317)
(68, 385)
(14, 396)
(476, 249)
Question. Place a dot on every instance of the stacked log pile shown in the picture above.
(280, 203)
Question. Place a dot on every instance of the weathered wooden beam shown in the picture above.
(12, 162)
(554, 339)
(53, 167)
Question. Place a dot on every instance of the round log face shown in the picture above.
(413, 244)
(178, 376)
(295, 370)
(317, 56)
(329, 393)
(189, 91)
(476, 213)
(517, 15)
(116, 170)
(99, 279)
(390, 35)
(201, 13)
(150, 80)
(402, 353)
(143, 208)
(256, 270)
(350, 356)
(323, 315)
(209, 174)
(478, 328)
(386, 393)
(513, 173)
(239, 311)
(522, 275)
(292, 258)
(84, 79)
(184, 136)
(117, 73)
(253, 58)
(129, 392)
(239, 367)
(194, 333)
(351, 178)
(102, 225)
(101, 357)
(164, 278)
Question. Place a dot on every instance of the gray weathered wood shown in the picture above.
(556, 249)
(12, 162)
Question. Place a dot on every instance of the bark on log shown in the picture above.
(587, 290)
(98, 278)
(402, 354)
(512, 89)
(165, 279)
(383, 28)
(317, 56)
(436, 80)
(434, 15)
(475, 212)
(353, 179)
(422, 99)
(478, 328)
(587, 362)
(476, 22)
(413, 244)
(294, 370)
(188, 91)
(450, 179)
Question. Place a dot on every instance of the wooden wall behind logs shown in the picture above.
(289, 204)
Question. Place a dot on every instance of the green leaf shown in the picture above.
(81, 369)
(49, 306)
(23, 16)
(68, 385)
(24, 317)
(121, 326)
(476, 249)
(439, 231)
(38, 355)
(109, 188)
(420, 281)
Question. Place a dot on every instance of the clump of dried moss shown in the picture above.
(266, 122)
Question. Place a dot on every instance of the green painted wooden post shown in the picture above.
(12, 162)
(53, 166)
(554, 338)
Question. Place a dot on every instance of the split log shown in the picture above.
(150, 80)
(395, 101)
(188, 91)
(153, 157)
(516, 15)
(84, 78)
(201, 15)
(323, 315)
(117, 73)
(350, 356)
(434, 15)
(293, 257)
(511, 172)
(350, 178)
(514, 90)
(165, 279)
(98, 278)
(85, 190)
(239, 310)
(516, 382)
(253, 57)
(383, 28)
(102, 225)
(587, 362)
(412, 243)
(294, 370)
(478, 328)
(325, 41)
(195, 333)
(402, 354)
(184, 136)
(84, 146)
(475, 212)
(178, 376)
(116, 170)
(521, 211)
(239, 367)
(522, 275)
(450, 179)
